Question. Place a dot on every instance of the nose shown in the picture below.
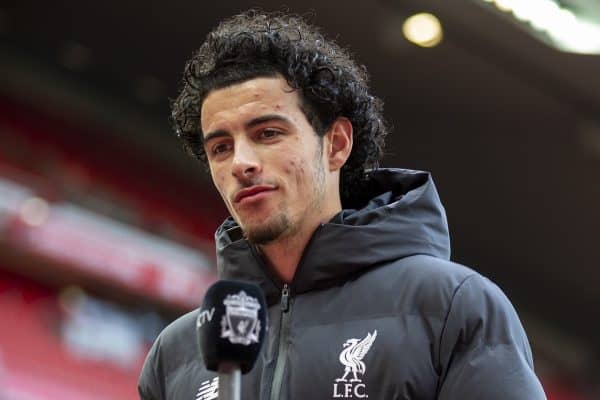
(246, 162)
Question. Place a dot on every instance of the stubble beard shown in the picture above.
(281, 225)
(268, 231)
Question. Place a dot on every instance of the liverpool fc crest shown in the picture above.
(351, 358)
(240, 323)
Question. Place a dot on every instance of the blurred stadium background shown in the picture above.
(106, 226)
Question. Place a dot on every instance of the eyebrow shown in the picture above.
(250, 124)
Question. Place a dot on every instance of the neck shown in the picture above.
(283, 255)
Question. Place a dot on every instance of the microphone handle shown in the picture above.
(230, 381)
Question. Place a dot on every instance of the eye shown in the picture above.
(220, 148)
(270, 133)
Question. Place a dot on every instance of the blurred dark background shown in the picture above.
(106, 225)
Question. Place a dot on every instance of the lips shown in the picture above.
(251, 191)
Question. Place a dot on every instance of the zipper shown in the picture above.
(285, 298)
(286, 311)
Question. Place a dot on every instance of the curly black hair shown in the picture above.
(256, 44)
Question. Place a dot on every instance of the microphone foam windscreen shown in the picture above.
(232, 324)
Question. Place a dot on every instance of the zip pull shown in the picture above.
(285, 298)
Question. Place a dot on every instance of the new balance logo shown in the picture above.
(209, 390)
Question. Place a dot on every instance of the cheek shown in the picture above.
(218, 179)
(297, 170)
(290, 167)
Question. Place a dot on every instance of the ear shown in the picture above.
(338, 143)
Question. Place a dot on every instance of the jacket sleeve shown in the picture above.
(149, 387)
(484, 352)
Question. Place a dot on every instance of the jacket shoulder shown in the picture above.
(459, 287)
(422, 282)
(180, 331)
(484, 350)
(170, 351)
(434, 269)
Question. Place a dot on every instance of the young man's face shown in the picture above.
(266, 160)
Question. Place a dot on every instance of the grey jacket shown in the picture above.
(375, 310)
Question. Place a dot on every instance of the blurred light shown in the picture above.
(423, 29)
(71, 298)
(99, 331)
(546, 16)
(34, 211)
(12, 197)
(565, 30)
(582, 37)
(504, 5)
(75, 56)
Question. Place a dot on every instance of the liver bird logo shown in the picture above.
(352, 355)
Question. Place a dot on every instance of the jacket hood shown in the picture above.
(403, 217)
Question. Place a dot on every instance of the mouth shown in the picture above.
(252, 193)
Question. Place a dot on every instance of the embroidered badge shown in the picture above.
(350, 385)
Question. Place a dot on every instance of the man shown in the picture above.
(353, 259)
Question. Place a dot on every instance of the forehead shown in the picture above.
(248, 99)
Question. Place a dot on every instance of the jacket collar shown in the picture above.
(402, 217)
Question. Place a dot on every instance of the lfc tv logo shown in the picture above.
(350, 385)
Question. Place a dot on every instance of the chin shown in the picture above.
(265, 232)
